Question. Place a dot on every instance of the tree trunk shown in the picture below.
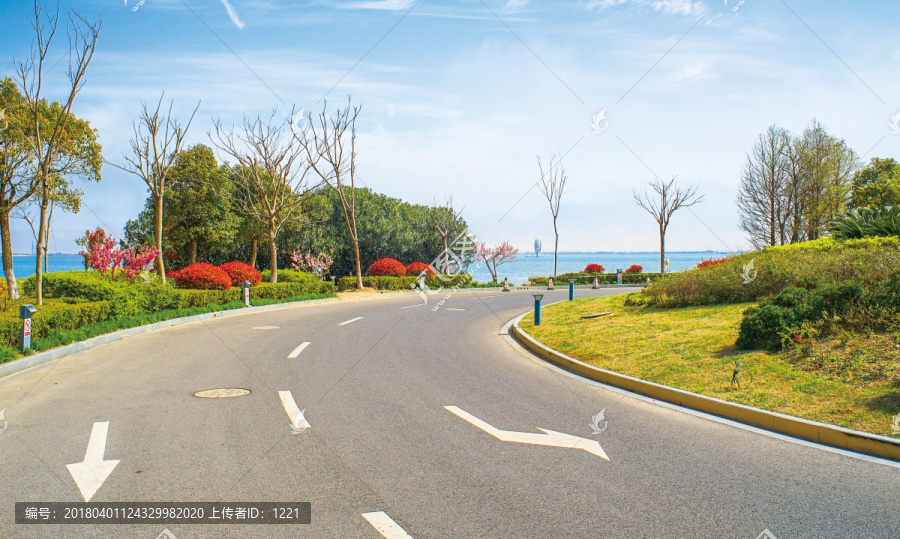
(193, 255)
(662, 250)
(358, 263)
(158, 234)
(39, 263)
(254, 248)
(6, 239)
(555, 245)
(273, 254)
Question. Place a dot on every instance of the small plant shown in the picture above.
(710, 262)
(387, 266)
(240, 272)
(593, 268)
(416, 268)
(634, 268)
(203, 276)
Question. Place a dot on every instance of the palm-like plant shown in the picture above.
(866, 222)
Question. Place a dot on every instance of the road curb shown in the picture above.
(861, 442)
(70, 349)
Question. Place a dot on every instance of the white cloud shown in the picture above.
(669, 7)
(232, 14)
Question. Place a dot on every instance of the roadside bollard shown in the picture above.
(596, 284)
(648, 281)
(506, 284)
(550, 283)
(246, 289)
(571, 289)
(618, 276)
(25, 313)
(537, 308)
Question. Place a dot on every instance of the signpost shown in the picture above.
(25, 313)
(246, 289)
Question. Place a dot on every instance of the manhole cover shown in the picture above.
(222, 393)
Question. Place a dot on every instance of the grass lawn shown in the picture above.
(691, 348)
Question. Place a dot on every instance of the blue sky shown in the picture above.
(460, 97)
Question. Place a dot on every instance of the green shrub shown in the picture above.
(638, 299)
(7, 354)
(602, 278)
(54, 313)
(809, 265)
(406, 282)
(767, 325)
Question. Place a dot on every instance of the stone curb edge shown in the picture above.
(861, 442)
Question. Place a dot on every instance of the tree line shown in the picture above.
(795, 186)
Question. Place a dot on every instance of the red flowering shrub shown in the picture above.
(203, 276)
(710, 262)
(388, 266)
(416, 268)
(172, 274)
(240, 272)
(634, 268)
(593, 268)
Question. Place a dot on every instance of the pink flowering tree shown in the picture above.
(103, 254)
(493, 257)
(319, 264)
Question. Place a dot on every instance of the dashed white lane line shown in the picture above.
(350, 321)
(266, 327)
(386, 525)
(411, 306)
(297, 350)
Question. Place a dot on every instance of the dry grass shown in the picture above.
(691, 348)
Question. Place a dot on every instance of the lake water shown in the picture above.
(526, 265)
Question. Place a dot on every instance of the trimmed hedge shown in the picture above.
(131, 299)
(406, 282)
(61, 313)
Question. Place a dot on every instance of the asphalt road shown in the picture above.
(381, 440)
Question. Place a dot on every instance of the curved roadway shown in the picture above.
(381, 440)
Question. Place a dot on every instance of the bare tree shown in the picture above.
(157, 141)
(325, 142)
(764, 197)
(552, 185)
(83, 37)
(671, 198)
(447, 222)
(270, 175)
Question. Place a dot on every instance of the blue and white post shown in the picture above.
(25, 313)
(618, 276)
(537, 308)
(245, 286)
(571, 289)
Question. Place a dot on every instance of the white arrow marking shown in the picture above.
(386, 526)
(550, 437)
(298, 420)
(350, 321)
(90, 474)
(297, 350)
